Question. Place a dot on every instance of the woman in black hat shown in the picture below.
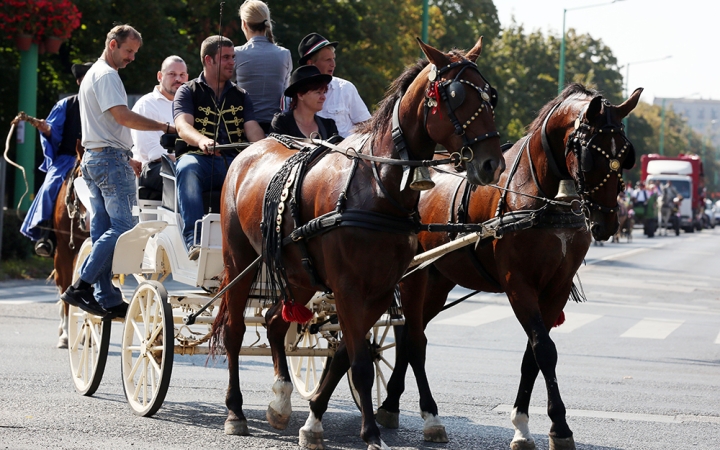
(307, 90)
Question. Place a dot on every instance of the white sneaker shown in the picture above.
(194, 253)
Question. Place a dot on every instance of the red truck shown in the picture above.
(686, 174)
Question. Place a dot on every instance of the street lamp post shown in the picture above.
(561, 70)
(627, 80)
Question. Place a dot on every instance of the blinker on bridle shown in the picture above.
(452, 93)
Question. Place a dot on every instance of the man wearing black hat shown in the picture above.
(343, 103)
(58, 135)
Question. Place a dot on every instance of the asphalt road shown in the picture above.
(639, 368)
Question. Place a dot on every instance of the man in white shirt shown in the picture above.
(157, 105)
(342, 101)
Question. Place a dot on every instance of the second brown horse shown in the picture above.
(577, 137)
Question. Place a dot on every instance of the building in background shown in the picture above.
(703, 116)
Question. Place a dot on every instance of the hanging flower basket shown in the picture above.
(23, 42)
(52, 44)
(59, 18)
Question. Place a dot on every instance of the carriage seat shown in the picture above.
(169, 192)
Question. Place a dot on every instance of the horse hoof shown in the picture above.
(237, 427)
(277, 420)
(523, 444)
(435, 434)
(311, 439)
(567, 443)
(388, 419)
(62, 343)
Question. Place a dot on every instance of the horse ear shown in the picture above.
(593, 109)
(629, 104)
(434, 55)
(474, 52)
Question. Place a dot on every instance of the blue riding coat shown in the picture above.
(57, 163)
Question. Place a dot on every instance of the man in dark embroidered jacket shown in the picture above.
(208, 110)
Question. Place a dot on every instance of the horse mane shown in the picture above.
(381, 120)
(573, 90)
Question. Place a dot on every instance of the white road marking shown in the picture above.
(479, 316)
(613, 415)
(652, 328)
(574, 320)
(717, 340)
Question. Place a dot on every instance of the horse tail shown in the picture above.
(217, 343)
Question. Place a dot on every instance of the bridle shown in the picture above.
(452, 93)
(581, 144)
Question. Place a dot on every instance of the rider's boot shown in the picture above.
(45, 246)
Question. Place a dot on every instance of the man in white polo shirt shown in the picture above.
(157, 105)
(342, 101)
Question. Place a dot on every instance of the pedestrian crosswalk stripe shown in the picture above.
(574, 320)
(652, 328)
(479, 316)
(717, 340)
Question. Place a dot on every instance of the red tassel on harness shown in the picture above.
(560, 320)
(293, 312)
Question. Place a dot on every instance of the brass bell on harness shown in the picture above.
(566, 191)
(421, 180)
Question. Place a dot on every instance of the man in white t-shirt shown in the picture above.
(157, 105)
(108, 170)
(342, 101)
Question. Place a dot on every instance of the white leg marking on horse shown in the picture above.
(522, 430)
(431, 420)
(383, 445)
(63, 327)
(282, 403)
(312, 424)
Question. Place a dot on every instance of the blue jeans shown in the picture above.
(197, 174)
(111, 181)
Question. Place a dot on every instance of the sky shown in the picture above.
(638, 32)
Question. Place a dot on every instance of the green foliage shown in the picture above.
(15, 246)
(526, 68)
(377, 40)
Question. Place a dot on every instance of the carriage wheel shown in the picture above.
(382, 347)
(307, 372)
(88, 339)
(147, 349)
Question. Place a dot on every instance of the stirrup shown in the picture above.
(45, 248)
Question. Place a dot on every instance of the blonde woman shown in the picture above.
(262, 67)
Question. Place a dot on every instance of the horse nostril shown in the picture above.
(489, 166)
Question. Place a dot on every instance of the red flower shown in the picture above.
(39, 18)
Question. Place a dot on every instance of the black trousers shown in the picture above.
(150, 176)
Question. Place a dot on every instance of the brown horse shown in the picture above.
(578, 136)
(445, 102)
(70, 232)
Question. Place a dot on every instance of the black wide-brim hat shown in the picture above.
(311, 44)
(79, 70)
(304, 75)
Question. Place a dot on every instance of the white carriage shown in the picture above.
(155, 328)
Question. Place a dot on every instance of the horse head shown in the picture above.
(596, 151)
(457, 111)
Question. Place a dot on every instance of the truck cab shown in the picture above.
(686, 174)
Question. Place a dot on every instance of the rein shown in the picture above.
(72, 202)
